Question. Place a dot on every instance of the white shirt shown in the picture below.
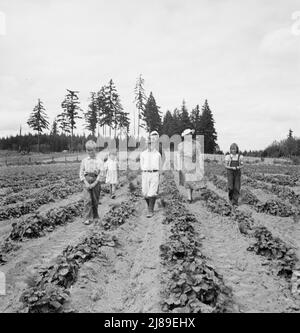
(150, 160)
(230, 157)
(91, 165)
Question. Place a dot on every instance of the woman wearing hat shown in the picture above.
(150, 165)
(190, 163)
(234, 164)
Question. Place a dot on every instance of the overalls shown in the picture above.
(91, 197)
(234, 181)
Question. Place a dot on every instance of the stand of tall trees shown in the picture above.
(201, 121)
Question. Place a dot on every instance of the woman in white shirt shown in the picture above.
(234, 164)
(190, 163)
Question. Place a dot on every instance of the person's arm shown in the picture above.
(160, 164)
(81, 175)
(142, 161)
(98, 179)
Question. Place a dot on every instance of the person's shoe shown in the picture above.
(87, 222)
(113, 196)
(149, 214)
(190, 201)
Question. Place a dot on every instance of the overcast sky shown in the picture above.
(240, 55)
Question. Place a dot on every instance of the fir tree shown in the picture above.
(71, 107)
(208, 129)
(140, 101)
(54, 129)
(184, 118)
(63, 123)
(196, 120)
(101, 109)
(151, 115)
(38, 120)
(113, 107)
(169, 125)
(177, 121)
(91, 116)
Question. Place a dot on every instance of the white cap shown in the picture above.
(154, 133)
(187, 131)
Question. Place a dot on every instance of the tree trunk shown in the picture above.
(138, 125)
(38, 141)
(71, 148)
(134, 123)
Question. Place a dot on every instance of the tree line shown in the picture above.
(105, 116)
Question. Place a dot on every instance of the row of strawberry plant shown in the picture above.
(285, 180)
(282, 192)
(271, 207)
(37, 225)
(49, 194)
(50, 291)
(285, 262)
(193, 285)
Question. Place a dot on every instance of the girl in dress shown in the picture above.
(111, 167)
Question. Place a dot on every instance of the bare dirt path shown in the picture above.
(128, 279)
(255, 289)
(40, 252)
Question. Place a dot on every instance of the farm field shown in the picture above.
(199, 257)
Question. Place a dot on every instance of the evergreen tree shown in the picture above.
(290, 145)
(71, 107)
(208, 129)
(169, 125)
(177, 121)
(91, 116)
(38, 120)
(151, 115)
(54, 129)
(184, 118)
(196, 120)
(140, 101)
(101, 108)
(63, 123)
(113, 107)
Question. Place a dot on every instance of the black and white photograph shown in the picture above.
(150, 159)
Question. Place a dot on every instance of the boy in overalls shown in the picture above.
(234, 164)
(91, 174)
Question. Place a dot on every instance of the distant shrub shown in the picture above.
(296, 160)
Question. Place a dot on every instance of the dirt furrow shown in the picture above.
(39, 252)
(129, 279)
(254, 287)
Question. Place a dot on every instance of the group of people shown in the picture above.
(189, 163)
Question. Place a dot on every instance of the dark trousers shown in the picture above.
(234, 185)
(91, 199)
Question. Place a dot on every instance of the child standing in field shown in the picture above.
(111, 167)
(90, 174)
(234, 164)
